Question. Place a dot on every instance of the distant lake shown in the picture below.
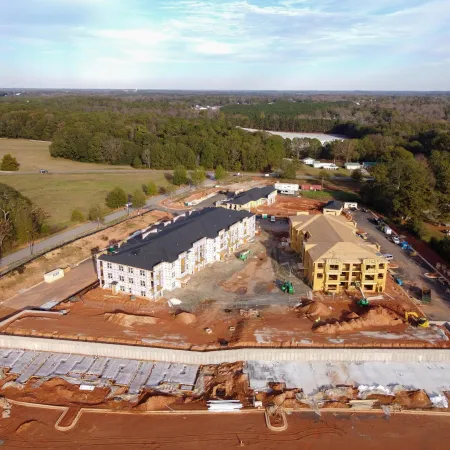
(323, 138)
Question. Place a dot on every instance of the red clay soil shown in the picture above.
(34, 428)
(90, 320)
(289, 206)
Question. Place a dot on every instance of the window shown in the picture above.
(319, 275)
(109, 265)
(142, 283)
(381, 266)
(143, 293)
(332, 287)
(110, 276)
(320, 265)
(333, 277)
(380, 276)
(121, 278)
(121, 268)
(130, 270)
(122, 288)
(334, 267)
(142, 273)
(129, 290)
(173, 274)
(131, 280)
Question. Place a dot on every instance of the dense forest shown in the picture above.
(408, 136)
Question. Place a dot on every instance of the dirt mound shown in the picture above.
(315, 309)
(413, 399)
(186, 318)
(157, 403)
(375, 317)
(25, 426)
(130, 320)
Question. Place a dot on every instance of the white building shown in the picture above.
(308, 161)
(353, 166)
(287, 188)
(158, 259)
(325, 165)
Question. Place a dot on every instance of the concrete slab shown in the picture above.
(68, 365)
(127, 373)
(33, 367)
(140, 378)
(23, 362)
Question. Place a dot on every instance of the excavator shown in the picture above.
(414, 319)
(287, 287)
(364, 301)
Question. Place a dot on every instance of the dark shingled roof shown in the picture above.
(175, 238)
(252, 195)
(334, 204)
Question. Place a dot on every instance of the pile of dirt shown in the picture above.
(186, 318)
(158, 402)
(225, 381)
(413, 399)
(375, 317)
(130, 320)
(315, 310)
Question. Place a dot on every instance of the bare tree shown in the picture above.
(111, 149)
(147, 157)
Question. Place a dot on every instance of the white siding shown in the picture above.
(167, 276)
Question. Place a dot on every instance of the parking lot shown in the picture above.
(411, 270)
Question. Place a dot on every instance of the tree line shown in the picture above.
(21, 221)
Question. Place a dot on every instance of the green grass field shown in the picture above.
(60, 194)
(326, 195)
(308, 170)
(35, 155)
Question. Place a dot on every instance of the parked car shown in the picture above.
(128, 205)
(387, 256)
(395, 240)
(272, 218)
(43, 171)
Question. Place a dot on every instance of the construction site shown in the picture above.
(245, 335)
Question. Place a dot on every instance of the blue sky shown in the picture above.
(226, 44)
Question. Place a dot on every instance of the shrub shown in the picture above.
(9, 163)
(138, 198)
(96, 213)
(116, 198)
(179, 175)
(152, 189)
(77, 216)
(220, 173)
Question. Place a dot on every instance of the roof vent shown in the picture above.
(135, 251)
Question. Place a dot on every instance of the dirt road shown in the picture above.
(34, 428)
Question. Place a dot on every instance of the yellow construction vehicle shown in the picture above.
(414, 319)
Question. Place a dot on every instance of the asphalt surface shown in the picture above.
(411, 270)
(76, 279)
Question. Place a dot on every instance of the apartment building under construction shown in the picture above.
(334, 257)
(160, 258)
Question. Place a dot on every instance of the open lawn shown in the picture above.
(308, 170)
(59, 195)
(331, 195)
(35, 155)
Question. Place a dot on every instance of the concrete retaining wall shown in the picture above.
(221, 356)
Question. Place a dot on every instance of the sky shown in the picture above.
(226, 44)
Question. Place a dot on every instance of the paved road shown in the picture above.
(76, 279)
(87, 171)
(411, 270)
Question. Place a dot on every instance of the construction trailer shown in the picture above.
(311, 187)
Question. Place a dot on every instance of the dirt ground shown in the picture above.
(289, 206)
(103, 317)
(34, 428)
(179, 203)
(71, 254)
